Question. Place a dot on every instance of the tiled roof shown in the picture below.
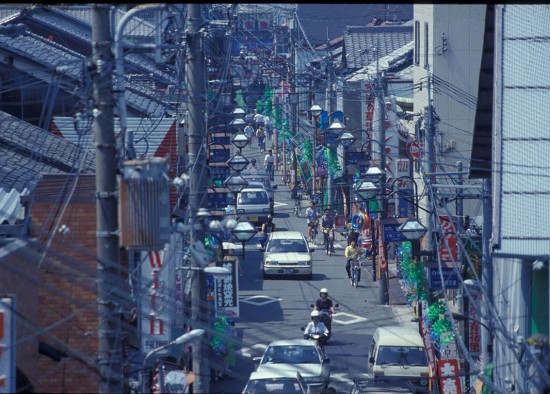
(328, 21)
(360, 43)
(27, 152)
(396, 61)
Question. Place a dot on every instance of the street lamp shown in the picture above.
(315, 111)
(187, 337)
(346, 140)
(240, 140)
(367, 191)
(238, 162)
(244, 232)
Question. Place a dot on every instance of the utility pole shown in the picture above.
(109, 276)
(430, 162)
(380, 110)
(330, 108)
(294, 111)
(195, 77)
(487, 276)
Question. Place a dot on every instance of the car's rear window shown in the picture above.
(397, 355)
(254, 198)
(283, 245)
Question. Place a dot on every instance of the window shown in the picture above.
(417, 42)
(426, 44)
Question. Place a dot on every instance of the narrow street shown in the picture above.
(277, 308)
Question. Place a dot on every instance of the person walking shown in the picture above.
(268, 127)
(269, 162)
(249, 131)
(260, 134)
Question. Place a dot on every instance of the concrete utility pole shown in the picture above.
(108, 268)
(195, 77)
(380, 110)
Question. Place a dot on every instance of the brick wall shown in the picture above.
(67, 292)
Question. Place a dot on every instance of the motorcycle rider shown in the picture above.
(315, 326)
(323, 302)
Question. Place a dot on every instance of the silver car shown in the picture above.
(287, 382)
(298, 355)
(253, 205)
(287, 253)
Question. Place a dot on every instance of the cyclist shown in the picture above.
(269, 162)
(352, 252)
(312, 216)
(328, 226)
(267, 227)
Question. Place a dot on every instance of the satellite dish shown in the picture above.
(176, 382)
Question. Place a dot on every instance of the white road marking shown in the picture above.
(352, 319)
(256, 300)
(246, 351)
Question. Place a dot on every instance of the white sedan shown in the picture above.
(287, 253)
(298, 355)
(279, 382)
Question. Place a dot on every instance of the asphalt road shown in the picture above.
(276, 308)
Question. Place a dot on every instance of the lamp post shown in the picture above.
(244, 232)
(346, 140)
(368, 190)
(315, 111)
(187, 337)
(337, 128)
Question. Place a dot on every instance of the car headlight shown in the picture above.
(307, 262)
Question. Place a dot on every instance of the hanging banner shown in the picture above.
(447, 245)
(449, 376)
(7, 345)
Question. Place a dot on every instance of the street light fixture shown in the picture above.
(238, 112)
(374, 174)
(244, 232)
(412, 229)
(235, 183)
(187, 337)
(238, 162)
(240, 140)
(367, 191)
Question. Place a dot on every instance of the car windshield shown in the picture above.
(253, 198)
(286, 245)
(291, 355)
(275, 386)
(395, 355)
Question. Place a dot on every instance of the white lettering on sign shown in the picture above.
(155, 319)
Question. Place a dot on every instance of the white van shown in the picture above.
(399, 352)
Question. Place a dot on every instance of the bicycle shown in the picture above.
(328, 239)
(314, 230)
(298, 205)
(355, 272)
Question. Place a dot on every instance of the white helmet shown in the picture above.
(315, 314)
(323, 290)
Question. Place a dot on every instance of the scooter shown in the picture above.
(319, 338)
(326, 318)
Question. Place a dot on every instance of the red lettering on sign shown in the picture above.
(154, 259)
(156, 325)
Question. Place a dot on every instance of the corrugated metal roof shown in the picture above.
(11, 209)
(401, 56)
(149, 133)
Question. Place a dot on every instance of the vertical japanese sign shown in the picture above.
(7, 345)
(226, 290)
(368, 110)
(447, 245)
(474, 333)
(180, 294)
(155, 302)
(448, 372)
(425, 332)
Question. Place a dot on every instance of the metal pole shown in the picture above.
(110, 282)
(486, 276)
(314, 186)
(197, 184)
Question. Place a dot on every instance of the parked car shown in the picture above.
(287, 253)
(382, 385)
(253, 205)
(297, 355)
(287, 382)
(399, 352)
